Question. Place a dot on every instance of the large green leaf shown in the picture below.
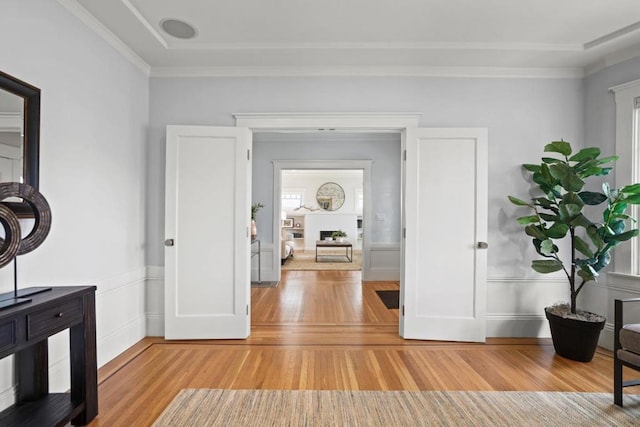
(548, 248)
(609, 159)
(587, 274)
(531, 168)
(561, 147)
(534, 231)
(546, 266)
(550, 218)
(594, 235)
(518, 202)
(537, 243)
(631, 189)
(560, 170)
(551, 160)
(543, 201)
(583, 247)
(634, 200)
(592, 198)
(622, 237)
(617, 226)
(569, 212)
(603, 171)
(557, 230)
(581, 221)
(572, 182)
(603, 260)
(586, 154)
(531, 219)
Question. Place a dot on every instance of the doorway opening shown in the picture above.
(321, 219)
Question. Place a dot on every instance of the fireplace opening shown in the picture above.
(326, 233)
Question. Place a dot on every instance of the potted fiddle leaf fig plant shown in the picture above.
(557, 212)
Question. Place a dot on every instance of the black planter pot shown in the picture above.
(574, 339)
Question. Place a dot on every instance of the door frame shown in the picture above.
(352, 122)
(280, 165)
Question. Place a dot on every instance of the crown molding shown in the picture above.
(612, 59)
(90, 21)
(374, 71)
(470, 46)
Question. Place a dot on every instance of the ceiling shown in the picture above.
(563, 38)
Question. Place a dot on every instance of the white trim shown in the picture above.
(474, 46)
(627, 169)
(107, 35)
(371, 71)
(619, 33)
(337, 121)
(138, 15)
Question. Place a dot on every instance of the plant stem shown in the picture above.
(572, 277)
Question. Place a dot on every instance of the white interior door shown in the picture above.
(443, 274)
(207, 215)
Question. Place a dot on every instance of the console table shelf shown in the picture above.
(24, 332)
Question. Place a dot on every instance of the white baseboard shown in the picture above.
(517, 326)
(382, 262)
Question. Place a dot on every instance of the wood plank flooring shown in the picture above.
(323, 331)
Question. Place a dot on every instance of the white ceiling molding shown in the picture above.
(622, 32)
(521, 47)
(146, 23)
(500, 43)
(90, 21)
(613, 59)
(373, 71)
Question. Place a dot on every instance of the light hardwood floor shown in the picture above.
(327, 330)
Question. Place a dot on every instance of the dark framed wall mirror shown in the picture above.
(19, 136)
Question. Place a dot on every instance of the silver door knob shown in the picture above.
(483, 245)
(169, 242)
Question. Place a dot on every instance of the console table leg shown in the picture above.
(32, 372)
(84, 365)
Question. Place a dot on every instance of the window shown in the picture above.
(627, 257)
(292, 200)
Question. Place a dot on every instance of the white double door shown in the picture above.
(207, 257)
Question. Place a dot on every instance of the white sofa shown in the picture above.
(287, 245)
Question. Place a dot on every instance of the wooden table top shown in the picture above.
(333, 243)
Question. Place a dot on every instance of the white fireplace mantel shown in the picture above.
(314, 222)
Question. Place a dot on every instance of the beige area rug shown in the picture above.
(331, 259)
(206, 407)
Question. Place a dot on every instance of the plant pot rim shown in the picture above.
(580, 316)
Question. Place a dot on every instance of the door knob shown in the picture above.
(483, 245)
(168, 242)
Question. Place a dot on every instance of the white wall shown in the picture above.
(522, 115)
(94, 120)
(308, 182)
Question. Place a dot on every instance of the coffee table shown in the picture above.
(348, 251)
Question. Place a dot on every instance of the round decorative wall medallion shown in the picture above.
(41, 213)
(10, 244)
(330, 196)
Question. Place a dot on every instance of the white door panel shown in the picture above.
(444, 275)
(207, 280)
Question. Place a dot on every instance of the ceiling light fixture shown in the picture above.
(178, 28)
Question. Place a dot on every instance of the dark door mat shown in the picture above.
(264, 284)
(391, 299)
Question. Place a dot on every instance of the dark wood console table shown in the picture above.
(24, 330)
